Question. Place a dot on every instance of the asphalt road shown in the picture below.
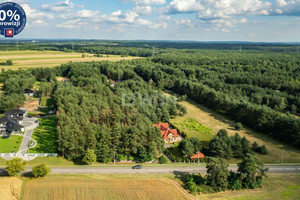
(151, 170)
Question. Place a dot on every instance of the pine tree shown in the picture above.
(251, 172)
(217, 174)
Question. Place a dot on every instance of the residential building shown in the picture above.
(12, 121)
(169, 135)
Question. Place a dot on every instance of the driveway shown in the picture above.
(29, 124)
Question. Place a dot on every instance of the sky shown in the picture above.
(193, 20)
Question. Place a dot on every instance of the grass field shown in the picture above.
(217, 121)
(30, 59)
(10, 144)
(45, 135)
(83, 187)
(194, 129)
(10, 188)
(275, 187)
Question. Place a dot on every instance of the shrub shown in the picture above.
(238, 126)
(259, 149)
(182, 98)
(89, 157)
(40, 170)
(9, 62)
(163, 159)
(121, 157)
(15, 166)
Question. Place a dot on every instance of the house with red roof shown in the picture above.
(169, 135)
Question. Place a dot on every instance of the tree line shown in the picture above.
(266, 102)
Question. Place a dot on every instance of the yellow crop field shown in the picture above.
(10, 188)
(91, 188)
(31, 59)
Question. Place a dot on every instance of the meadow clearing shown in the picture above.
(31, 59)
(215, 121)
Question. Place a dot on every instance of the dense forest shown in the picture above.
(109, 107)
(95, 114)
(259, 90)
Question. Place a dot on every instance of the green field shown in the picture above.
(194, 129)
(275, 187)
(215, 121)
(31, 59)
(10, 144)
(45, 135)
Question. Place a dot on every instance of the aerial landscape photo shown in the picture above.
(150, 100)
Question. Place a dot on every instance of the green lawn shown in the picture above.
(10, 144)
(46, 136)
(192, 128)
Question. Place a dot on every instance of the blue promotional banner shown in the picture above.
(12, 19)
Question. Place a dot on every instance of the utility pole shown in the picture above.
(153, 51)
(114, 158)
(282, 153)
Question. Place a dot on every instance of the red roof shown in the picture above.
(198, 155)
(165, 130)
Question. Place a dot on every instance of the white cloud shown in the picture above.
(33, 14)
(39, 22)
(286, 7)
(147, 2)
(143, 10)
(131, 17)
(71, 24)
(185, 22)
(86, 14)
(61, 6)
(209, 10)
(183, 6)
(243, 20)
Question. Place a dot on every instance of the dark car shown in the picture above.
(137, 167)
